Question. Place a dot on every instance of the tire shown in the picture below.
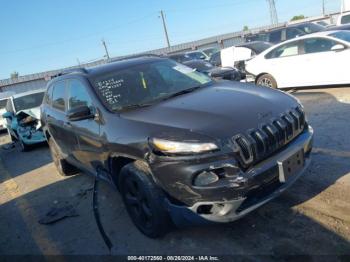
(143, 200)
(266, 80)
(63, 167)
(24, 147)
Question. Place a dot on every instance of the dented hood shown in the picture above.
(221, 110)
(33, 112)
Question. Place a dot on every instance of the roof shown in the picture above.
(121, 64)
(318, 34)
(29, 93)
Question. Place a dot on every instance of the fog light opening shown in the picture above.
(204, 209)
(206, 178)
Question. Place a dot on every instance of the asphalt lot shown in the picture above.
(312, 218)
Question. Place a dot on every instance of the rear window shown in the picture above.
(3, 103)
(345, 19)
(28, 101)
(342, 35)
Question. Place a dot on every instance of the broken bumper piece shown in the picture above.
(227, 210)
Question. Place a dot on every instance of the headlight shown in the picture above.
(173, 147)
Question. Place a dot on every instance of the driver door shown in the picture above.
(87, 131)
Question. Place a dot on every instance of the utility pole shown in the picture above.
(165, 29)
(273, 12)
(323, 8)
(79, 64)
(106, 50)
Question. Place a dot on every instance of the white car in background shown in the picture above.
(343, 19)
(312, 60)
(3, 100)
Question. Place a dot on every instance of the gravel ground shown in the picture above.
(312, 218)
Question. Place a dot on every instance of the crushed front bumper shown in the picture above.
(31, 138)
(232, 209)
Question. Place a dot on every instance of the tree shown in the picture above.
(14, 75)
(245, 28)
(297, 17)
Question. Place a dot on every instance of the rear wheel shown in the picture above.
(266, 80)
(144, 201)
(63, 167)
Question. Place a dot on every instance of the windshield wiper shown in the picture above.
(186, 91)
(133, 106)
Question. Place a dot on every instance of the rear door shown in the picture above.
(283, 64)
(321, 65)
(88, 151)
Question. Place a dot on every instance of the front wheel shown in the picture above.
(266, 80)
(144, 201)
(24, 147)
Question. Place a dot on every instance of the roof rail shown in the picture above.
(133, 56)
(69, 71)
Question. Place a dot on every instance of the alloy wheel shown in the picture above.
(137, 203)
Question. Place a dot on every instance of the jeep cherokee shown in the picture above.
(178, 146)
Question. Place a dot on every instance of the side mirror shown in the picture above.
(80, 113)
(7, 115)
(338, 47)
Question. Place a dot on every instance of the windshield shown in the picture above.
(201, 66)
(210, 51)
(310, 28)
(342, 35)
(146, 83)
(196, 55)
(3, 103)
(28, 101)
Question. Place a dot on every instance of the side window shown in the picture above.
(77, 94)
(275, 36)
(317, 45)
(290, 49)
(58, 95)
(293, 32)
(48, 95)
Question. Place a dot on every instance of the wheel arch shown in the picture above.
(259, 75)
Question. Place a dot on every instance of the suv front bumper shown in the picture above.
(232, 209)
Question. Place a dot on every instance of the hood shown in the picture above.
(33, 112)
(220, 111)
(220, 70)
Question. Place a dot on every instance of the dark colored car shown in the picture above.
(213, 71)
(180, 58)
(174, 142)
(282, 34)
(215, 59)
(339, 27)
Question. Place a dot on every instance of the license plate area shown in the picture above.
(291, 166)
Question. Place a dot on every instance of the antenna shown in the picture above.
(273, 12)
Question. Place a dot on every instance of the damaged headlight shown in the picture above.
(174, 147)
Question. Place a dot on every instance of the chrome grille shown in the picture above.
(259, 143)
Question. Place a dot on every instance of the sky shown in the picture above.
(42, 35)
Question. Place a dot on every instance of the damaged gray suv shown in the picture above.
(180, 147)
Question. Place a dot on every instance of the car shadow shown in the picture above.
(19, 163)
